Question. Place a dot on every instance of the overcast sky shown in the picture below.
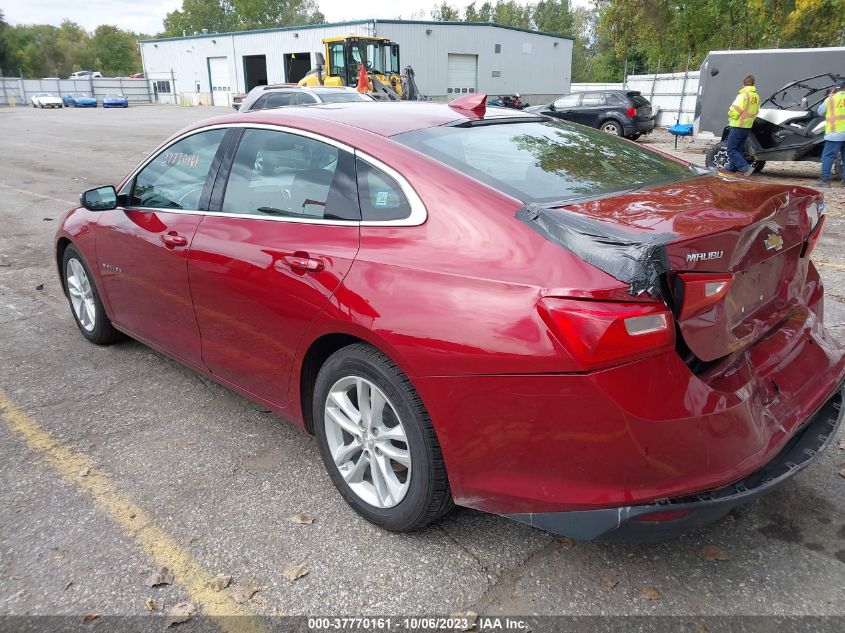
(146, 16)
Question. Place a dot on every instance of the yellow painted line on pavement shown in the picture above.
(79, 470)
(829, 265)
(27, 192)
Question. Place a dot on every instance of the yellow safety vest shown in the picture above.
(744, 108)
(834, 120)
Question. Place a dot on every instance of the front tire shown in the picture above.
(84, 300)
(612, 127)
(377, 441)
(717, 158)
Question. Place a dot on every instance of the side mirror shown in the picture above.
(552, 107)
(714, 72)
(321, 61)
(99, 199)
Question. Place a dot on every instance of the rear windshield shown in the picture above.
(342, 97)
(545, 161)
(638, 99)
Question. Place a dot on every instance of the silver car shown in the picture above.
(268, 97)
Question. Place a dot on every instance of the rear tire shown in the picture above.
(84, 300)
(358, 444)
(612, 127)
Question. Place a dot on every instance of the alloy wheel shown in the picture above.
(367, 442)
(81, 295)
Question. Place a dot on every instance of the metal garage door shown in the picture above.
(218, 76)
(462, 75)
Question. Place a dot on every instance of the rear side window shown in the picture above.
(545, 161)
(282, 174)
(380, 195)
(303, 98)
(614, 99)
(175, 178)
(344, 96)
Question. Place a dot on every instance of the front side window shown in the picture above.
(175, 178)
(380, 195)
(546, 161)
(567, 101)
(260, 103)
(282, 174)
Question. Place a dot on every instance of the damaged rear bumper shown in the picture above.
(669, 518)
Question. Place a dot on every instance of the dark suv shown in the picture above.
(622, 112)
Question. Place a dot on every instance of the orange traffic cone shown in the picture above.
(363, 82)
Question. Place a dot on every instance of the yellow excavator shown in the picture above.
(340, 65)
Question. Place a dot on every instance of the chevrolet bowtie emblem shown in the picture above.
(773, 242)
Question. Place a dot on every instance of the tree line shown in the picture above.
(42, 50)
(610, 36)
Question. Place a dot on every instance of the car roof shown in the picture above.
(382, 118)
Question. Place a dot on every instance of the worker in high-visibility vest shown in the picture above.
(740, 119)
(833, 111)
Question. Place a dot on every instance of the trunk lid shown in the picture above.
(749, 235)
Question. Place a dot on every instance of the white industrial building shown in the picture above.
(448, 58)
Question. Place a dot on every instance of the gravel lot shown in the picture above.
(221, 477)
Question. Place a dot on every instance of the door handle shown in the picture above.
(173, 239)
(302, 262)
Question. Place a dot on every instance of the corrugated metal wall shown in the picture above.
(529, 63)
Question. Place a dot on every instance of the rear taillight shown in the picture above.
(631, 112)
(702, 290)
(603, 333)
(813, 238)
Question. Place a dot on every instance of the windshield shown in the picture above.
(114, 96)
(78, 94)
(371, 52)
(545, 162)
(343, 97)
(804, 94)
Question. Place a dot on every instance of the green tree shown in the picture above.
(196, 15)
(445, 12)
(512, 13)
(251, 14)
(115, 51)
(484, 13)
(552, 16)
(5, 54)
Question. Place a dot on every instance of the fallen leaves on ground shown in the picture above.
(566, 542)
(471, 618)
(161, 577)
(150, 604)
(302, 519)
(89, 617)
(842, 473)
(294, 571)
(68, 584)
(219, 582)
(712, 552)
(649, 593)
(242, 593)
(85, 472)
(610, 583)
(182, 612)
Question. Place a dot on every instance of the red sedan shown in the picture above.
(487, 308)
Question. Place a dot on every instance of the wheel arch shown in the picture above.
(321, 346)
(61, 246)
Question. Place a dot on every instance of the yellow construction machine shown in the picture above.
(341, 60)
